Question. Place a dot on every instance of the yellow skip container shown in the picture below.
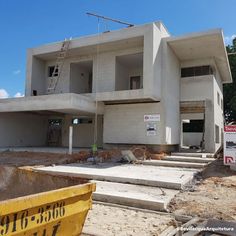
(60, 212)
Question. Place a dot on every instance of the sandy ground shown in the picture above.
(114, 221)
(213, 197)
(25, 158)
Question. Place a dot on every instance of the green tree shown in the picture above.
(230, 89)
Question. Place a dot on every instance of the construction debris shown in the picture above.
(143, 153)
(128, 157)
(213, 197)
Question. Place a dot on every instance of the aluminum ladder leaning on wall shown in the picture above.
(53, 80)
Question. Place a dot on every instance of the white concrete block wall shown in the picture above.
(38, 81)
(161, 79)
(21, 130)
(63, 85)
(83, 134)
(191, 139)
(79, 79)
(122, 77)
(218, 111)
(197, 88)
(148, 61)
(125, 123)
(157, 62)
(170, 90)
(104, 72)
(205, 88)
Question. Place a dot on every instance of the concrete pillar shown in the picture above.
(70, 139)
(181, 133)
(209, 127)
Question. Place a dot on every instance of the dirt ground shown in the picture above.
(115, 221)
(26, 158)
(213, 197)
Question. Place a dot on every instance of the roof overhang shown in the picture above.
(118, 39)
(202, 45)
(68, 103)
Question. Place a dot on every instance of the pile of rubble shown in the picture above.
(133, 155)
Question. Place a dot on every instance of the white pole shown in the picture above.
(70, 139)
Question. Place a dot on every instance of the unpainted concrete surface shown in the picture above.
(166, 177)
(189, 153)
(146, 197)
(189, 159)
(173, 163)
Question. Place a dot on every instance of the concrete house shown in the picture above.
(137, 85)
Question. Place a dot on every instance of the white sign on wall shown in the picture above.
(151, 129)
(230, 145)
(152, 117)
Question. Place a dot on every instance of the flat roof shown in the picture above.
(124, 36)
(208, 44)
(129, 33)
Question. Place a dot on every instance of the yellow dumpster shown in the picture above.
(60, 212)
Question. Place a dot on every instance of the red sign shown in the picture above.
(228, 160)
(230, 128)
(230, 145)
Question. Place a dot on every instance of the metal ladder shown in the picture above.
(53, 80)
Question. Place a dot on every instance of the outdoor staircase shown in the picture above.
(183, 160)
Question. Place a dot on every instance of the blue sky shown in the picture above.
(28, 23)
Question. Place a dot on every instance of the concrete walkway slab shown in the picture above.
(146, 197)
(192, 165)
(193, 154)
(165, 177)
(188, 159)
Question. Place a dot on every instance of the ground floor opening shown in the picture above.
(49, 129)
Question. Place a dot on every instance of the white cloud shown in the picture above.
(18, 95)
(229, 39)
(3, 94)
(16, 72)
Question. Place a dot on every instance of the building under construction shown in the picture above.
(136, 85)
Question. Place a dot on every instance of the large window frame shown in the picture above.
(196, 71)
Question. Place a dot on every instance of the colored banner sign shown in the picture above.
(230, 145)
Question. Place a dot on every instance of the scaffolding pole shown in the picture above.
(110, 19)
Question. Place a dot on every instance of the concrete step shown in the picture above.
(155, 176)
(193, 154)
(182, 164)
(188, 159)
(146, 197)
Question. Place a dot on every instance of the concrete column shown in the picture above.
(181, 133)
(209, 127)
(70, 139)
